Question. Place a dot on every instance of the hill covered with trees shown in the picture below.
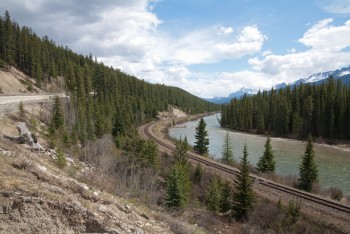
(322, 110)
(99, 94)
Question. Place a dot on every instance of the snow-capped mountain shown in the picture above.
(318, 77)
(237, 94)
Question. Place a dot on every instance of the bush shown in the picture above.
(336, 193)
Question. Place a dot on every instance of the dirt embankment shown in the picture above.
(37, 197)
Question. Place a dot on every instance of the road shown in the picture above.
(324, 209)
(17, 98)
(9, 102)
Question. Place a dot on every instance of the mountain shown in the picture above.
(342, 74)
(237, 94)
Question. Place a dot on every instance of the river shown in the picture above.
(333, 162)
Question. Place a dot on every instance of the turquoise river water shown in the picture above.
(333, 162)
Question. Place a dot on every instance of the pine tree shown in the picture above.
(21, 111)
(308, 172)
(213, 195)
(227, 154)
(267, 162)
(243, 196)
(60, 159)
(198, 172)
(180, 151)
(57, 119)
(202, 141)
(178, 186)
(225, 200)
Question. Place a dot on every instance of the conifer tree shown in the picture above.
(180, 151)
(308, 172)
(213, 195)
(227, 154)
(60, 159)
(21, 112)
(243, 195)
(225, 200)
(57, 119)
(202, 141)
(198, 172)
(267, 162)
(178, 186)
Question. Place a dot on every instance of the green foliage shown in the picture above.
(213, 195)
(227, 153)
(21, 112)
(60, 159)
(225, 200)
(202, 141)
(98, 93)
(181, 148)
(308, 172)
(322, 110)
(267, 162)
(198, 173)
(57, 118)
(141, 153)
(243, 196)
(178, 185)
(293, 213)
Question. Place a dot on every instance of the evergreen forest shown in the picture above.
(320, 110)
(99, 95)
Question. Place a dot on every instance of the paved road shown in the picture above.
(25, 98)
(9, 102)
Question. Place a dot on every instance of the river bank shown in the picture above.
(333, 161)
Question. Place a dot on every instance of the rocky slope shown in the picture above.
(37, 197)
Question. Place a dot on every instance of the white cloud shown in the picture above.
(224, 30)
(335, 6)
(249, 41)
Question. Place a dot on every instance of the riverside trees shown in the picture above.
(267, 162)
(227, 153)
(308, 172)
(322, 110)
(202, 141)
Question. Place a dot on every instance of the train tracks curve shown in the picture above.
(333, 207)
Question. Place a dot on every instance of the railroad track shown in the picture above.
(262, 181)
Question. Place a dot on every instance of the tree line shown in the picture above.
(322, 110)
(101, 98)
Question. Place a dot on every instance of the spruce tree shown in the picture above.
(243, 195)
(225, 200)
(198, 172)
(60, 159)
(57, 119)
(180, 151)
(202, 141)
(21, 112)
(227, 154)
(178, 186)
(267, 162)
(308, 172)
(213, 195)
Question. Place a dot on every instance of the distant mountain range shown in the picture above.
(237, 94)
(342, 74)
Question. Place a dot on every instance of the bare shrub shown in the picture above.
(336, 193)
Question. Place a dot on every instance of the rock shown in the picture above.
(25, 134)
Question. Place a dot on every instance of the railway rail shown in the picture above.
(262, 181)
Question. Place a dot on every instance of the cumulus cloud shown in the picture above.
(326, 44)
(249, 41)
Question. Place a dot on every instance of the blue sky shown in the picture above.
(207, 47)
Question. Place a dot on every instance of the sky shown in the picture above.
(209, 48)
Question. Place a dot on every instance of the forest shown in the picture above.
(100, 95)
(320, 110)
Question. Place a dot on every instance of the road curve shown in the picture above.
(314, 202)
